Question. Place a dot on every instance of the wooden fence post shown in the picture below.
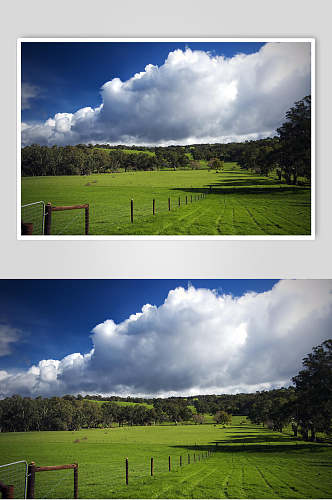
(131, 211)
(127, 471)
(191, 198)
(169, 464)
(10, 491)
(154, 206)
(179, 201)
(180, 460)
(48, 219)
(194, 457)
(26, 228)
(87, 220)
(152, 466)
(188, 458)
(169, 203)
(76, 481)
(186, 200)
(31, 480)
(6, 490)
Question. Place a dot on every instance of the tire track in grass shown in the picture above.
(276, 210)
(256, 222)
(243, 481)
(266, 481)
(280, 228)
(186, 478)
(178, 221)
(168, 223)
(291, 223)
(224, 223)
(220, 222)
(288, 486)
(236, 479)
(227, 479)
(196, 483)
(252, 220)
(301, 481)
(299, 492)
(207, 217)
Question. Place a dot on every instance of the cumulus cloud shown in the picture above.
(8, 336)
(197, 341)
(28, 92)
(193, 97)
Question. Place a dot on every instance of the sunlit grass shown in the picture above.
(235, 202)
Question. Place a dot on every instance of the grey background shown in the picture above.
(165, 259)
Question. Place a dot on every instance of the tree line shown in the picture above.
(22, 414)
(306, 406)
(84, 159)
(288, 154)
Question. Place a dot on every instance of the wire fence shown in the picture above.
(102, 219)
(131, 470)
(68, 222)
(111, 220)
(15, 474)
(54, 484)
(57, 481)
(32, 215)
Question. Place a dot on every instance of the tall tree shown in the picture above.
(314, 390)
(295, 141)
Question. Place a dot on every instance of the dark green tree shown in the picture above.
(295, 141)
(314, 390)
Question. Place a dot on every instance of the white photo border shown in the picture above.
(312, 236)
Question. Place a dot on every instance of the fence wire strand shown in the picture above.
(72, 223)
(48, 483)
(114, 220)
(34, 213)
(15, 474)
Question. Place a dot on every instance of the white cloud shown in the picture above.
(195, 342)
(193, 97)
(8, 336)
(28, 92)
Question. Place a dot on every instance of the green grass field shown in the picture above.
(239, 203)
(248, 462)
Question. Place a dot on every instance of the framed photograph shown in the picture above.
(166, 389)
(203, 138)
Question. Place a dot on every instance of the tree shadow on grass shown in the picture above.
(264, 438)
(219, 189)
(245, 427)
(215, 447)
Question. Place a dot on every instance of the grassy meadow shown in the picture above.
(248, 461)
(237, 203)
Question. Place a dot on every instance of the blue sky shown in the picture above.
(57, 316)
(158, 337)
(159, 93)
(59, 69)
